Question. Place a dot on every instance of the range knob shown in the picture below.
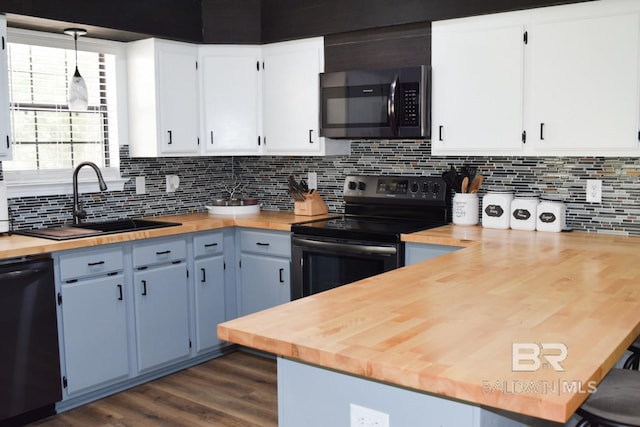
(414, 187)
(362, 186)
(436, 188)
(352, 185)
(425, 187)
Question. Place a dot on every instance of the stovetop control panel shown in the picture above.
(400, 188)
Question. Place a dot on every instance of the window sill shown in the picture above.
(27, 188)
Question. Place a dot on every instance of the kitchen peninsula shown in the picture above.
(432, 343)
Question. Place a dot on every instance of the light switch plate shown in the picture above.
(140, 185)
(312, 180)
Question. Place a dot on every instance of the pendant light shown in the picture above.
(78, 96)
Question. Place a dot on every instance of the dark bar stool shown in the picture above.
(616, 402)
(633, 361)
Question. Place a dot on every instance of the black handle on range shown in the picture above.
(119, 292)
(204, 275)
(281, 271)
(144, 287)
(392, 106)
(170, 137)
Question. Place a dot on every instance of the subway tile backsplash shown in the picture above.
(203, 179)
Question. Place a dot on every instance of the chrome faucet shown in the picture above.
(78, 213)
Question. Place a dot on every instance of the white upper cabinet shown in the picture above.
(5, 123)
(584, 94)
(477, 72)
(291, 99)
(231, 84)
(570, 85)
(163, 98)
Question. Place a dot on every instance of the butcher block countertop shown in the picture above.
(447, 326)
(16, 246)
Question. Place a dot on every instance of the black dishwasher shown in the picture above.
(29, 357)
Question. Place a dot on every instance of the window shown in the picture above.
(49, 140)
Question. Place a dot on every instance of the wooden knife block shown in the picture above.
(313, 205)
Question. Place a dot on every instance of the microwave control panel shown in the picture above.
(411, 96)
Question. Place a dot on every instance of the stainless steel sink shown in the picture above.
(88, 229)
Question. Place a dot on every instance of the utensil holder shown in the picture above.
(312, 205)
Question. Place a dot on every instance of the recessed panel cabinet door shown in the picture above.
(230, 99)
(210, 300)
(291, 96)
(477, 95)
(265, 282)
(95, 332)
(178, 101)
(584, 84)
(5, 126)
(162, 315)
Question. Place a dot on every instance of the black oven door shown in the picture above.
(319, 264)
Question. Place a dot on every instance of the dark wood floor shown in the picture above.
(238, 389)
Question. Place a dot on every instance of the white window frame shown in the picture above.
(56, 182)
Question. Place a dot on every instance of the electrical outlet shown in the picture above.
(312, 180)
(594, 191)
(173, 182)
(366, 417)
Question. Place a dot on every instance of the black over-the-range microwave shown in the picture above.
(384, 103)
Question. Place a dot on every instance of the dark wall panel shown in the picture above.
(291, 19)
(231, 21)
(396, 46)
(172, 19)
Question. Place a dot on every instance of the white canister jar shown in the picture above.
(523, 212)
(496, 209)
(465, 208)
(551, 216)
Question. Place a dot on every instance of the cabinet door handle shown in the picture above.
(92, 264)
(541, 131)
(209, 245)
(204, 275)
(170, 137)
(144, 287)
(440, 133)
(211, 137)
(163, 253)
(310, 136)
(280, 272)
(262, 244)
(119, 292)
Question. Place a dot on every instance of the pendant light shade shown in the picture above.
(78, 96)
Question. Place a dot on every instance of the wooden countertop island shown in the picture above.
(446, 327)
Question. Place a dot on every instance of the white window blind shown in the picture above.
(46, 134)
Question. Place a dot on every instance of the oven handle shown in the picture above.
(345, 247)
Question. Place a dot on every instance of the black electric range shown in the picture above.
(366, 239)
(381, 208)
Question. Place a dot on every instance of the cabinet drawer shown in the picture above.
(208, 244)
(264, 242)
(159, 252)
(90, 263)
